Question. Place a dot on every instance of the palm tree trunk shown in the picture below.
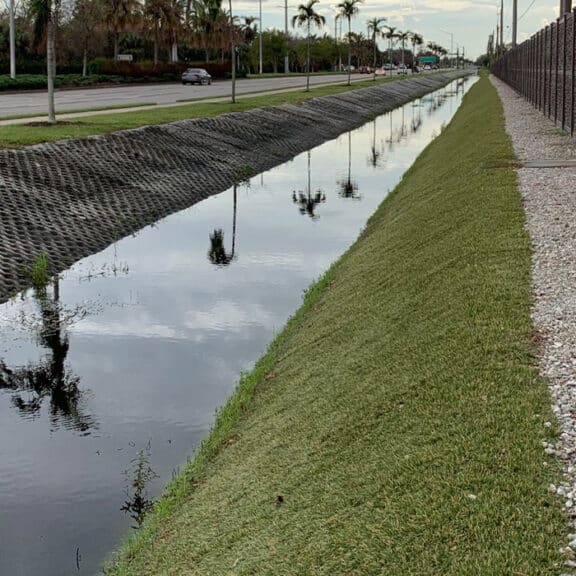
(50, 68)
(85, 62)
(349, 48)
(308, 61)
(116, 45)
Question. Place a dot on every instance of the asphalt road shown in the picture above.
(90, 98)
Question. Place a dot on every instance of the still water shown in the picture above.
(132, 350)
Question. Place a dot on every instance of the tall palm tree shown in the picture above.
(391, 35)
(306, 17)
(119, 14)
(348, 9)
(374, 27)
(45, 15)
(403, 36)
(417, 40)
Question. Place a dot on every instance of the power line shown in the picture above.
(526, 11)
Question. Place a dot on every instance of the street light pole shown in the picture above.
(260, 68)
(286, 62)
(514, 22)
(451, 44)
(12, 41)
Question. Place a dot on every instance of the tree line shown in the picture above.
(171, 31)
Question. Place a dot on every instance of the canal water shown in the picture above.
(115, 370)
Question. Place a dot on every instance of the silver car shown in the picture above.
(196, 76)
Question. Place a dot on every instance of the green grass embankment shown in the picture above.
(395, 425)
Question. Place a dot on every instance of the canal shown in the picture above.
(116, 368)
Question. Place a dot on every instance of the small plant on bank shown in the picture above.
(138, 476)
(39, 272)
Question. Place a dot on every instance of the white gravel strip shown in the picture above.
(549, 198)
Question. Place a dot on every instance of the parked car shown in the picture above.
(427, 67)
(196, 76)
(380, 72)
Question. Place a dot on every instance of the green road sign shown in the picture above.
(427, 59)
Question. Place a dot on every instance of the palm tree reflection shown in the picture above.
(49, 378)
(416, 119)
(375, 157)
(217, 253)
(348, 188)
(307, 201)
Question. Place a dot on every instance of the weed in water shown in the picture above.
(138, 476)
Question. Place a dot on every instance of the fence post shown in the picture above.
(564, 26)
(545, 70)
(572, 119)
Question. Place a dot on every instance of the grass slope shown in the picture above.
(15, 136)
(395, 425)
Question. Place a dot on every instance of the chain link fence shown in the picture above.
(543, 70)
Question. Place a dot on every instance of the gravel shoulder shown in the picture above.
(549, 199)
(72, 198)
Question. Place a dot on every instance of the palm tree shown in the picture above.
(374, 27)
(232, 52)
(391, 35)
(417, 40)
(308, 16)
(348, 9)
(45, 13)
(403, 36)
(119, 14)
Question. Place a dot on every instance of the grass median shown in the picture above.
(395, 425)
(19, 135)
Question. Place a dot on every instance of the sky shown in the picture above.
(467, 23)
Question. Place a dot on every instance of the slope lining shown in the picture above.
(73, 198)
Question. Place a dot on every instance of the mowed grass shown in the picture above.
(16, 136)
(395, 425)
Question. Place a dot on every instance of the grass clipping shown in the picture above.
(395, 426)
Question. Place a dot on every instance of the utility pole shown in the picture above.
(451, 45)
(502, 25)
(515, 22)
(286, 63)
(12, 41)
(260, 67)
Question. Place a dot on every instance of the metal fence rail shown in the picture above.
(543, 70)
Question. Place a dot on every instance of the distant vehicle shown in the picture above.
(427, 67)
(380, 72)
(196, 76)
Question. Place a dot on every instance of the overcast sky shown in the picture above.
(470, 21)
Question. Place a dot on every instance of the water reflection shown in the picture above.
(348, 188)
(48, 378)
(416, 118)
(375, 158)
(307, 201)
(162, 346)
(217, 253)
